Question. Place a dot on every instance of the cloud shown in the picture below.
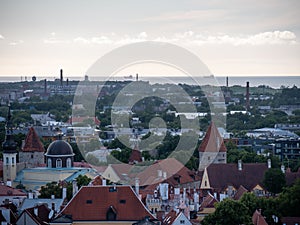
(264, 38)
(14, 43)
(187, 38)
(1, 37)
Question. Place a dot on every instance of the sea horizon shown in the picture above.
(275, 81)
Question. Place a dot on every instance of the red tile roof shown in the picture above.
(208, 202)
(42, 214)
(258, 219)
(239, 193)
(95, 201)
(291, 177)
(175, 173)
(32, 142)
(9, 191)
(135, 156)
(212, 142)
(170, 218)
(222, 175)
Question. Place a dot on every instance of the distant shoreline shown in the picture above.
(254, 80)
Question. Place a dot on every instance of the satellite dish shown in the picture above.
(51, 213)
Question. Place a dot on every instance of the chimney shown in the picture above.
(8, 183)
(30, 195)
(64, 193)
(269, 163)
(103, 182)
(61, 77)
(45, 86)
(159, 173)
(240, 165)
(227, 82)
(137, 186)
(75, 187)
(282, 169)
(247, 96)
(137, 77)
(165, 175)
(53, 206)
(36, 211)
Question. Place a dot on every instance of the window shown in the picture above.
(182, 221)
(89, 201)
(13, 160)
(32, 156)
(58, 163)
(205, 183)
(7, 160)
(122, 201)
(69, 163)
(49, 163)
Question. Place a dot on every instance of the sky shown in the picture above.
(234, 37)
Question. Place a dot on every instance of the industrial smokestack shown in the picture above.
(45, 86)
(247, 96)
(227, 82)
(61, 77)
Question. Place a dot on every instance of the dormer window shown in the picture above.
(111, 214)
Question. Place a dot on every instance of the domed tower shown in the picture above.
(59, 155)
(9, 152)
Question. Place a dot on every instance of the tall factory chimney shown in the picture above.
(45, 86)
(227, 82)
(137, 77)
(61, 77)
(247, 96)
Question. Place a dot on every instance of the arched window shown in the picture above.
(58, 163)
(49, 163)
(69, 163)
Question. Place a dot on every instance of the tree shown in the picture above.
(51, 188)
(83, 180)
(229, 212)
(290, 200)
(274, 180)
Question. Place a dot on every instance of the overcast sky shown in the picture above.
(235, 37)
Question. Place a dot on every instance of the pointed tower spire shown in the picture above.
(9, 152)
(212, 148)
(9, 145)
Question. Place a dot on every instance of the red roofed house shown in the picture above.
(12, 194)
(212, 148)
(38, 215)
(112, 204)
(135, 156)
(227, 178)
(32, 152)
(258, 219)
(174, 218)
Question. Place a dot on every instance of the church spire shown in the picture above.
(9, 145)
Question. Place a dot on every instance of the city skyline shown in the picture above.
(235, 38)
